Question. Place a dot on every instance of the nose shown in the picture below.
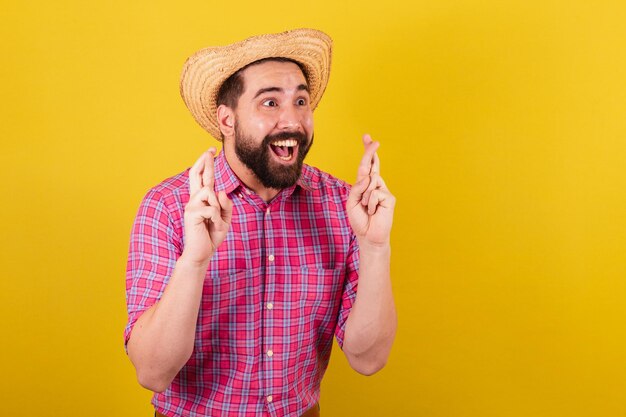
(290, 118)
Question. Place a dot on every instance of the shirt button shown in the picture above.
(270, 306)
(270, 353)
(269, 398)
(267, 211)
(271, 258)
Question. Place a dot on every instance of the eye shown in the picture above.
(301, 102)
(270, 103)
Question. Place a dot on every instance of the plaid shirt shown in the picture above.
(276, 291)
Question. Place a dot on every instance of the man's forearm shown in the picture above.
(371, 325)
(162, 339)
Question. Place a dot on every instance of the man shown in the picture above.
(242, 268)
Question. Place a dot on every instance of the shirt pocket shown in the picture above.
(319, 287)
(310, 299)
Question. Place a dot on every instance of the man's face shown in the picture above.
(274, 123)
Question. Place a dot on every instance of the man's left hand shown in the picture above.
(370, 204)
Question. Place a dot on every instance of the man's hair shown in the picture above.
(233, 87)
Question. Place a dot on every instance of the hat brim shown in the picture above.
(205, 71)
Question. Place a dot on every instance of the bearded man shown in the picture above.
(242, 268)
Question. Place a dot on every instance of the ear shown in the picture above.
(226, 120)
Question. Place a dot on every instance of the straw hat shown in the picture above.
(206, 70)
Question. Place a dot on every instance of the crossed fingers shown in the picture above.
(376, 191)
(207, 214)
(202, 197)
(202, 177)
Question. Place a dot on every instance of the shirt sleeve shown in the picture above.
(154, 248)
(349, 290)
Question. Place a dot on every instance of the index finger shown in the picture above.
(208, 173)
(365, 167)
(375, 164)
(195, 180)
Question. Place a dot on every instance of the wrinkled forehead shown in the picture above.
(270, 73)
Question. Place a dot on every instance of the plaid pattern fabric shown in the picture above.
(278, 288)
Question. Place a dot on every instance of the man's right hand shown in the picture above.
(207, 214)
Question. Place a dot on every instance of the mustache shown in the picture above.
(300, 137)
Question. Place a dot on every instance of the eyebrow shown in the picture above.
(301, 87)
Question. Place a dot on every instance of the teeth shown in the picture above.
(288, 142)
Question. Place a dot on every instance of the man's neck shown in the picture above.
(248, 177)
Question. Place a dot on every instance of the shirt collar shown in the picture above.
(225, 178)
(309, 179)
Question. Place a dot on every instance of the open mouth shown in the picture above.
(284, 149)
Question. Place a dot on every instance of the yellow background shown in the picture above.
(503, 135)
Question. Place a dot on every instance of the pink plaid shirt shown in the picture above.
(276, 291)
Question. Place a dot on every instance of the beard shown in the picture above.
(260, 162)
